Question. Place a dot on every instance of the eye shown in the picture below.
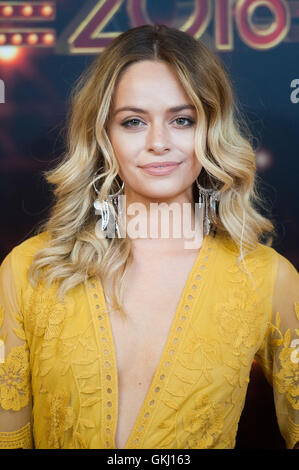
(191, 121)
(127, 123)
(130, 122)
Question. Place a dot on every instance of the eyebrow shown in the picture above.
(143, 111)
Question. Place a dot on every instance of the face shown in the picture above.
(154, 133)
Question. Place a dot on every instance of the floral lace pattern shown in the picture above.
(14, 380)
(287, 378)
(65, 356)
(21, 439)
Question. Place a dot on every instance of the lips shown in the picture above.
(160, 164)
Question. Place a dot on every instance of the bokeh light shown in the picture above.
(8, 53)
(27, 10)
(32, 39)
(2, 39)
(7, 10)
(16, 39)
(264, 159)
(48, 39)
(47, 10)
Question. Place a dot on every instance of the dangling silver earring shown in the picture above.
(207, 202)
(103, 209)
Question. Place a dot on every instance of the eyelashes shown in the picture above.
(127, 123)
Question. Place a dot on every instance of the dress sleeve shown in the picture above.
(15, 380)
(279, 353)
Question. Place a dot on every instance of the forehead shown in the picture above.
(149, 82)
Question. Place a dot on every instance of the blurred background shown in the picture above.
(46, 45)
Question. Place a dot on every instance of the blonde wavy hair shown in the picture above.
(223, 145)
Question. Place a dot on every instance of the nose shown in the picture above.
(158, 141)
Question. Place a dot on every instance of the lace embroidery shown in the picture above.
(17, 439)
(45, 314)
(238, 319)
(204, 423)
(60, 418)
(293, 433)
(287, 378)
(1, 315)
(15, 379)
(198, 392)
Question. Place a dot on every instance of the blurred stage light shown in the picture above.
(27, 10)
(8, 53)
(47, 10)
(2, 39)
(7, 10)
(48, 39)
(16, 39)
(264, 159)
(32, 39)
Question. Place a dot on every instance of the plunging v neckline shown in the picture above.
(109, 365)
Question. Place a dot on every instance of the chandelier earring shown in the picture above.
(103, 209)
(208, 198)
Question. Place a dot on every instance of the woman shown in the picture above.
(114, 335)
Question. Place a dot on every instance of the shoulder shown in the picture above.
(263, 259)
(261, 254)
(14, 267)
(28, 248)
(286, 271)
(286, 287)
(21, 256)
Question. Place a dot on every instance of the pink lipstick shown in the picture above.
(160, 168)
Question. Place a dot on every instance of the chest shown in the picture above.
(150, 302)
(152, 294)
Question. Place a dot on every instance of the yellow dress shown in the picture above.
(58, 375)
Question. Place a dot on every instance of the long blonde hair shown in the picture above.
(223, 145)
